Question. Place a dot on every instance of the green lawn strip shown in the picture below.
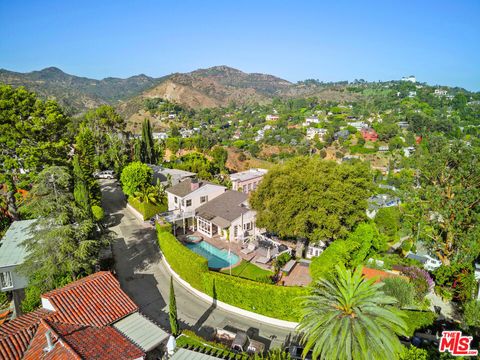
(249, 271)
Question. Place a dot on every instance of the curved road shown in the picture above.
(145, 279)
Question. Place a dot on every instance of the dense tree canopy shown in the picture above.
(446, 202)
(313, 198)
(135, 177)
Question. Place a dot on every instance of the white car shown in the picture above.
(107, 174)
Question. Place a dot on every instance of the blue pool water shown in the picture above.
(217, 258)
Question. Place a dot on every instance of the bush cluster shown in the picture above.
(148, 210)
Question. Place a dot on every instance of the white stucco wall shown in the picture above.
(210, 190)
(250, 216)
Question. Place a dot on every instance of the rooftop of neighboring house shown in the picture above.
(176, 175)
(188, 186)
(81, 321)
(382, 200)
(248, 174)
(224, 208)
(12, 251)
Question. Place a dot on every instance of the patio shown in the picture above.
(299, 276)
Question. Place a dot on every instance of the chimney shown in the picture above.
(194, 184)
(49, 347)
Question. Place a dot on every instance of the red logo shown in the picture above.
(456, 344)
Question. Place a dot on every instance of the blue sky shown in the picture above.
(437, 41)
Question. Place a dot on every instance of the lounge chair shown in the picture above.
(249, 249)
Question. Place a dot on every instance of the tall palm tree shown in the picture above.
(349, 317)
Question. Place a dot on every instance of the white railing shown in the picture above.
(175, 215)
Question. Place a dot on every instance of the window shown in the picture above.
(203, 199)
(204, 226)
(6, 280)
(248, 226)
(235, 231)
(189, 202)
(176, 200)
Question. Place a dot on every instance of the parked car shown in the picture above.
(296, 353)
(107, 174)
(239, 341)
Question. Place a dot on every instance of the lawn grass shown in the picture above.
(249, 271)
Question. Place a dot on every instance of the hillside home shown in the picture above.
(271, 117)
(189, 194)
(311, 120)
(247, 181)
(440, 92)
(312, 132)
(412, 94)
(369, 135)
(410, 78)
(359, 125)
(169, 177)
(380, 201)
(13, 254)
(403, 124)
(429, 263)
(228, 216)
(383, 148)
(315, 249)
(159, 136)
(408, 151)
(91, 318)
(344, 134)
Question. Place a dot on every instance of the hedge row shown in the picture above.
(281, 302)
(189, 265)
(148, 210)
(269, 300)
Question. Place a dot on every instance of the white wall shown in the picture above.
(250, 216)
(210, 190)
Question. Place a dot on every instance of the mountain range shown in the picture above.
(203, 88)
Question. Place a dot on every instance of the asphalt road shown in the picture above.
(145, 279)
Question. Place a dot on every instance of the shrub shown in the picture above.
(459, 278)
(164, 227)
(400, 289)
(187, 264)
(417, 320)
(414, 353)
(470, 314)
(420, 279)
(135, 176)
(98, 213)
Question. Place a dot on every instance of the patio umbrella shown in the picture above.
(268, 254)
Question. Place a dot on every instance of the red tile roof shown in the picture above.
(378, 275)
(16, 335)
(81, 342)
(79, 325)
(94, 300)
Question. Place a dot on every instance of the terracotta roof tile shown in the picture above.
(94, 300)
(24, 321)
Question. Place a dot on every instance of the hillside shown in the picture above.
(75, 93)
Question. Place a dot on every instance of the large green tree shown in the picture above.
(445, 199)
(349, 317)
(135, 177)
(313, 198)
(33, 135)
(147, 147)
(62, 246)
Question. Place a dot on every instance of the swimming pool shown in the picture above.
(217, 258)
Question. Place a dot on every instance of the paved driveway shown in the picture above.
(145, 279)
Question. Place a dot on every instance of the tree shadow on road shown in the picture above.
(199, 324)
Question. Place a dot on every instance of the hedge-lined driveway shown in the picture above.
(146, 280)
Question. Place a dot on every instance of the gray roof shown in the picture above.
(161, 173)
(248, 174)
(224, 208)
(185, 187)
(12, 252)
(184, 354)
(141, 331)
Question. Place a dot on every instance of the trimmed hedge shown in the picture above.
(189, 265)
(279, 302)
(148, 210)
